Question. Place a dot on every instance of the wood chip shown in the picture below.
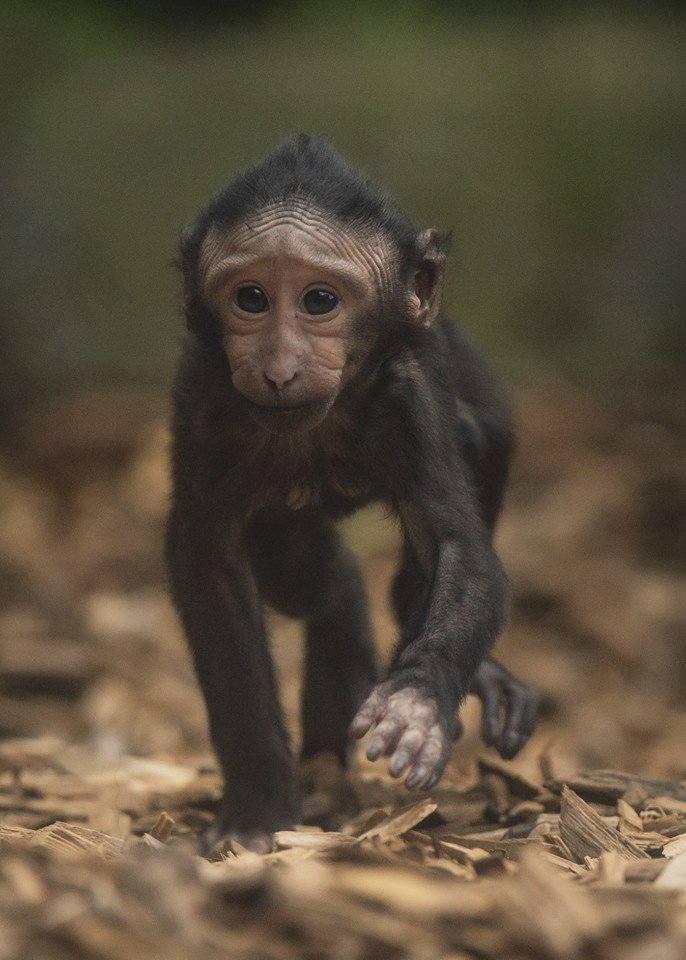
(629, 820)
(400, 822)
(285, 839)
(519, 786)
(607, 786)
(163, 828)
(73, 839)
(673, 877)
(587, 835)
(674, 848)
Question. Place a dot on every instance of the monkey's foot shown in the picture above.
(407, 727)
(217, 840)
(509, 708)
(251, 820)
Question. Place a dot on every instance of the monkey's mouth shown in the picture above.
(290, 418)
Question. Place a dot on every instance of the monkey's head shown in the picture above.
(295, 270)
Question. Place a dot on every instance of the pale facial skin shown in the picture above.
(290, 287)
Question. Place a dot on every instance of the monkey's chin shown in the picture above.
(291, 420)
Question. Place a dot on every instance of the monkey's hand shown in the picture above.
(407, 727)
(509, 708)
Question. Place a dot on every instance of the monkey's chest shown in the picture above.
(337, 488)
(335, 496)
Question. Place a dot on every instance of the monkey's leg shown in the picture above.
(305, 571)
(217, 600)
(509, 707)
(340, 662)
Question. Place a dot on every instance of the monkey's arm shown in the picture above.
(413, 710)
(459, 616)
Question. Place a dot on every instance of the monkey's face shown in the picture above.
(294, 294)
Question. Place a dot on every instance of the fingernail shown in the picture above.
(432, 781)
(374, 749)
(398, 764)
(490, 734)
(510, 747)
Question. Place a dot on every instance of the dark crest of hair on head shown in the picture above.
(305, 168)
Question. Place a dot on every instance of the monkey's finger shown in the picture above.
(520, 718)
(386, 736)
(433, 780)
(489, 694)
(407, 749)
(430, 760)
(420, 775)
(371, 711)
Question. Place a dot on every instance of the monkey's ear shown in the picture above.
(187, 250)
(427, 281)
(187, 261)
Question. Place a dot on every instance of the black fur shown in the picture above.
(422, 427)
(305, 167)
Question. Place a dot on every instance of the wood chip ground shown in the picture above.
(576, 851)
(575, 878)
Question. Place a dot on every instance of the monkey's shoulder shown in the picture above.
(438, 370)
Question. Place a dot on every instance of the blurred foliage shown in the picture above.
(549, 137)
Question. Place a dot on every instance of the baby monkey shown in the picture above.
(317, 378)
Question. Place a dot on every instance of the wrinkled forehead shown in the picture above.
(361, 258)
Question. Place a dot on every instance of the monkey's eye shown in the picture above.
(317, 302)
(251, 299)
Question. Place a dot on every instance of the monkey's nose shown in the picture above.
(279, 381)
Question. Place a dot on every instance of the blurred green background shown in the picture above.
(549, 137)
